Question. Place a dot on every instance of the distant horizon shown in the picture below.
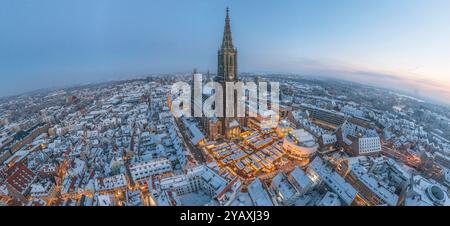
(143, 76)
(398, 45)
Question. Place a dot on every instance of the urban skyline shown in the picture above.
(399, 45)
(301, 141)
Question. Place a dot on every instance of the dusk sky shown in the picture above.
(401, 44)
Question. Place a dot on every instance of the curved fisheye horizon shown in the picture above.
(440, 94)
(399, 45)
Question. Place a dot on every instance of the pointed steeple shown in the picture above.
(227, 42)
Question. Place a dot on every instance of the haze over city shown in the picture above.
(401, 44)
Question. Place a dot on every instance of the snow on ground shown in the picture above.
(242, 199)
(198, 198)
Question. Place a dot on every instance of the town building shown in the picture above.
(142, 171)
(259, 194)
(358, 140)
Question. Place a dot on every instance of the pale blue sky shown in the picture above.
(402, 44)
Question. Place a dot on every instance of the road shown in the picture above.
(196, 152)
(433, 171)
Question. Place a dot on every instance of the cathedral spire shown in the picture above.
(227, 42)
(227, 71)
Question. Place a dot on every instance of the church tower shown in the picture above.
(227, 72)
(227, 56)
